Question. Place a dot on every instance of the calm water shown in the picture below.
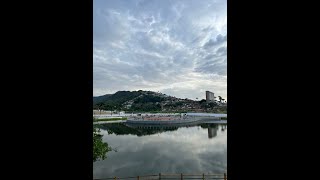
(144, 150)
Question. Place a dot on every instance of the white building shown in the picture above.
(209, 96)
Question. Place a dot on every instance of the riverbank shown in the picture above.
(111, 119)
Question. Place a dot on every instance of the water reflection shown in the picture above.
(125, 129)
(154, 149)
(212, 132)
(212, 129)
(223, 127)
(144, 130)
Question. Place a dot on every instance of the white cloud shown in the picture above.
(176, 47)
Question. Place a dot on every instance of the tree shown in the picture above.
(220, 98)
(212, 104)
(202, 101)
(100, 148)
(100, 106)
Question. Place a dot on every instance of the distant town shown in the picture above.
(149, 101)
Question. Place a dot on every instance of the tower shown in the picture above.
(209, 96)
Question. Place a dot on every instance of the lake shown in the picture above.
(148, 150)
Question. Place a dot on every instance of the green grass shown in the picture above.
(111, 119)
(223, 118)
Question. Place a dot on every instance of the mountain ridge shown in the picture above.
(149, 101)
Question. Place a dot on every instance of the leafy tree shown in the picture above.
(100, 148)
(118, 98)
(100, 105)
(202, 101)
(148, 98)
(212, 105)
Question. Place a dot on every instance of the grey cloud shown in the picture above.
(210, 56)
(222, 50)
(217, 41)
(143, 44)
(208, 29)
(214, 68)
(214, 63)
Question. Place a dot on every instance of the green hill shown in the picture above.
(115, 101)
(99, 99)
(149, 101)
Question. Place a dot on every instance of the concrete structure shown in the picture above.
(206, 114)
(209, 96)
(97, 112)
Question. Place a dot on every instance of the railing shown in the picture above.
(172, 176)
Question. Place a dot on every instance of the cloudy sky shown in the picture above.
(177, 47)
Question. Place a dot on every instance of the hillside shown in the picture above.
(99, 99)
(115, 101)
(149, 101)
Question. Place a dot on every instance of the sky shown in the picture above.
(176, 47)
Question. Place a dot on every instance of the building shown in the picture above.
(97, 112)
(209, 96)
(128, 106)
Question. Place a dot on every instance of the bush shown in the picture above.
(100, 148)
